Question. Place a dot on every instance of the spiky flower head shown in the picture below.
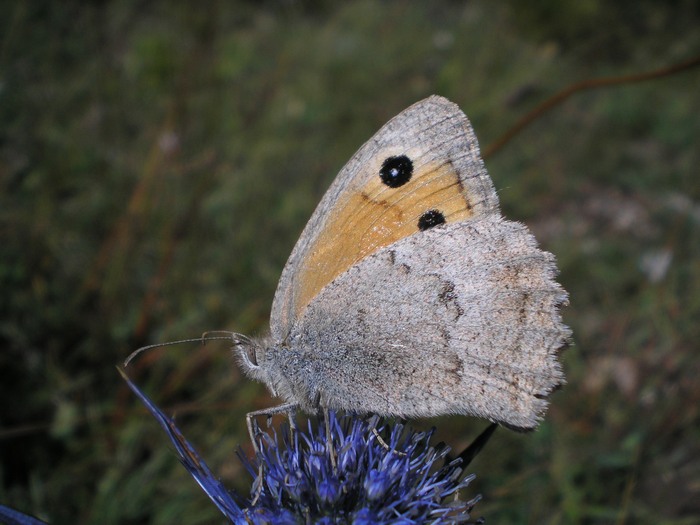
(400, 479)
(346, 475)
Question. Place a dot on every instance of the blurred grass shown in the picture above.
(158, 161)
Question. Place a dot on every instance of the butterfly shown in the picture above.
(409, 295)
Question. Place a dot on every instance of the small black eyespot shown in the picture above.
(396, 171)
(430, 219)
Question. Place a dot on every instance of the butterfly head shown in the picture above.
(250, 353)
(256, 357)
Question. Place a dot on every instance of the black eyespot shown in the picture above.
(430, 219)
(396, 171)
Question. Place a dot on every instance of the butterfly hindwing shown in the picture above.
(462, 318)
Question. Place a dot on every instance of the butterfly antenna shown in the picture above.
(234, 337)
(218, 335)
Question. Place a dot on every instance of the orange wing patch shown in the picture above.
(377, 216)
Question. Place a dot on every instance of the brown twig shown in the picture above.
(584, 85)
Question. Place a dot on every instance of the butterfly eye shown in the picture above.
(247, 350)
(396, 171)
(251, 354)
(430, 219)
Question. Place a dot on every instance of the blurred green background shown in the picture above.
(159, 159)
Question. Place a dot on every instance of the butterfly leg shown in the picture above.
(288, 408)
(322, 408)
(383, 443)
(380, 439)
(254, 429)
(291, 415)
(329, 438)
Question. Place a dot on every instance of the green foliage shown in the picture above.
(158, 160)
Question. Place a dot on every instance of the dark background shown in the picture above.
(159, 159)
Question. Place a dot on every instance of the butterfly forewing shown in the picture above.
(421, 169)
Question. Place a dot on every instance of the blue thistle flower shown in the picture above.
(400, 482)
(404, 480)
